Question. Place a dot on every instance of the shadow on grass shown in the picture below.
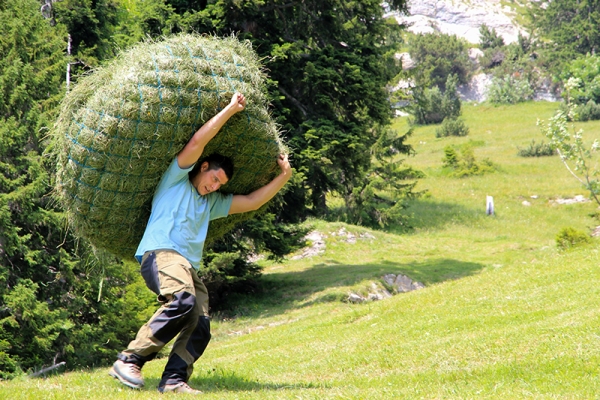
(285, 290)
(222, 381)
(429, 213)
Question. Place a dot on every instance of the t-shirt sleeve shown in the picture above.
(172, 175)
(219, 204)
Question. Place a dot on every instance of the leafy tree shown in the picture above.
(578, 157)
(509, 90)
(586, 71)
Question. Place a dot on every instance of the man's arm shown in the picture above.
(254, 200)
(195, 147)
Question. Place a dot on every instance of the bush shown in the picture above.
(432, 107)
(537, 150)
(588, 112)
(570, 237)
(509, 90)
(452, 127)
(437, 57)
(465, 164)
(489, 38)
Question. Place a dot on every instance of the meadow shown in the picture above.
(505, 314)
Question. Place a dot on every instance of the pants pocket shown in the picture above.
(149, 272)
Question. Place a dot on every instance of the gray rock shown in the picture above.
(461, 18)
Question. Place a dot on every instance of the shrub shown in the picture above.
(465, 164)
(489, 38)
(509, 90)
(570, 237)
(586, 71)
(537, 150)
(452, 127)
(432, 107)
(437, 57)
(588, 112)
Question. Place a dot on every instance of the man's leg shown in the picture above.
(169, 275)
(190, 344)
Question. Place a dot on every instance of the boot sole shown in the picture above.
(124, 381)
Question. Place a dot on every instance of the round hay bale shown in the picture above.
(121, 126)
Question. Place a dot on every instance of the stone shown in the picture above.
(461, 18)
(356, 298)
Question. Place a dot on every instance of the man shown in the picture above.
(171, 250)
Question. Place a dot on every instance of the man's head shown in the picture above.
(210, 173)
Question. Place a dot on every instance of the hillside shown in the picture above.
(504, 314)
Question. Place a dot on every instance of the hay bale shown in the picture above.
(121, 126)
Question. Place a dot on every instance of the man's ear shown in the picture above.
(204, 166)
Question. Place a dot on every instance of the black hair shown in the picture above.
(215, 161)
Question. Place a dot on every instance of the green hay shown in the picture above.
(121, 126)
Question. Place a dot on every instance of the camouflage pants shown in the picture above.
(183, 312)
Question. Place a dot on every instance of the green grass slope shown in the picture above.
(504, 314)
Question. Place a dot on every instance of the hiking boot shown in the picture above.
(129, 374)
(181, 387)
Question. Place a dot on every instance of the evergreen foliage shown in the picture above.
(50, 309)
(452, 127)
(431, 106)
(329, 63)
(91, 25)
(537, 150)
(438, 56)
(570, 237)
(590, 111)
(381, 200)
(462, 162)
(569, 28)
(489, 38)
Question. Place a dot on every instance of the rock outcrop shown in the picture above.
(461, 18)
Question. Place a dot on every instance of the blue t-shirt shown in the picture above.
(180, 216)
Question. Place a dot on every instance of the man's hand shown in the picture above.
(195, 147)
(254, 200)
(284, 164)
(238, 102)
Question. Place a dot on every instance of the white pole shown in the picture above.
(489, 206)
(68, 61)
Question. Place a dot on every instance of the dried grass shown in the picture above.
(121, 126)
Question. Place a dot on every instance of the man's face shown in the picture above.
(209, 180)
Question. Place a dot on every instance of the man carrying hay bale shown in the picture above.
(170, 252)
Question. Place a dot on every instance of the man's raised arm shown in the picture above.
(254, 200)
(195, 147)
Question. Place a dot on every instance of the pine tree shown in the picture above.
(49, 289)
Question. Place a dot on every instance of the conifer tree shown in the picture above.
(329, 62)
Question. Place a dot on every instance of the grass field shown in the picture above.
(504, 315)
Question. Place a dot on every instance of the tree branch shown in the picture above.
(294, 101)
